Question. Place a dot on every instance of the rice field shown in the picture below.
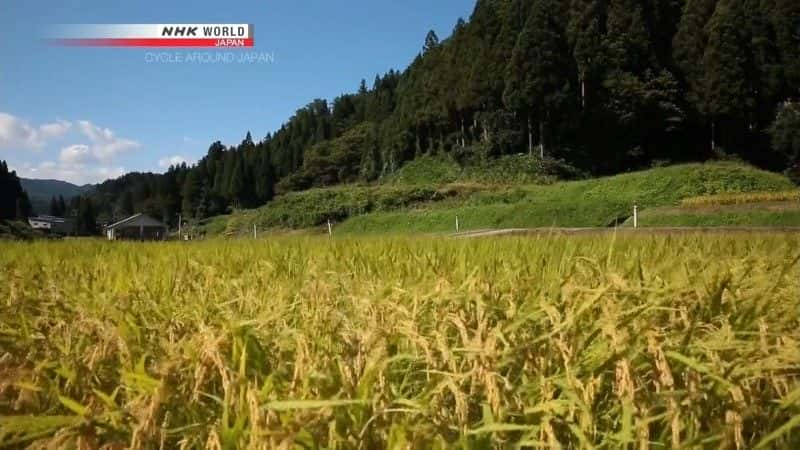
(581, 342)
(742, 198)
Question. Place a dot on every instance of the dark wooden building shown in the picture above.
(139, 227)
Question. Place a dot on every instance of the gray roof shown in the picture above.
(137, 220)
(51, 219)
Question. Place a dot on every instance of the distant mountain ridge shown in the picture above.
(41, 191)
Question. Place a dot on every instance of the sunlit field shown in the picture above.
(688, 341)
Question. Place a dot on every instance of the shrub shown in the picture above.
(785, 132)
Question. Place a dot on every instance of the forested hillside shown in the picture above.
(606, 86)
(43, 193)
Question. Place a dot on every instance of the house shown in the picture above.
(140, 227)
(52, 224)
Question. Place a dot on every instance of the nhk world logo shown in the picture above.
(208, 35)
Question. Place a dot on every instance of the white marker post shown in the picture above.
(458, 225)
(330, 229)
(635, 216)
(255, 232)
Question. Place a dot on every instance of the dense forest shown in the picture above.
(605, 86)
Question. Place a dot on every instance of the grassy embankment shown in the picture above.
(427, 197)
(760, 209)
(582, 342)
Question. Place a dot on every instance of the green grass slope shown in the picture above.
(407, 204)
(756, 214)
(590, 203)
(314, 207)
(752, 218)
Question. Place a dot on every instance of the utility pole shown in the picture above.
(713, 135)
(541, 139)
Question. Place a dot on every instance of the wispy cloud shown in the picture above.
(16, 133)
(105, 144)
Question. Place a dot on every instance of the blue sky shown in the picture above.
(86, 114)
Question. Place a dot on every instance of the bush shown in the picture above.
(16, 230)
(794, 174)
(427, 169)
(785, 133)
(333, 162)
(505, 170)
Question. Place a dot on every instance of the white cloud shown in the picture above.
(91, 161)
(76, 154)
(176, 160)
(95, 133)
(79, 174)
(54, 130)
(105, 145)
(17, 133)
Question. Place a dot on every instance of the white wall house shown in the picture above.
(39, 224)
(51, 223)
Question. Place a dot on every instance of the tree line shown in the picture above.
(15, 205)
(603, 85)
(14, 202)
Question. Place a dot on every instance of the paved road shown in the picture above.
(626, 231)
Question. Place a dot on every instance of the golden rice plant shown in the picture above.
(549, 342)
(742, 198)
